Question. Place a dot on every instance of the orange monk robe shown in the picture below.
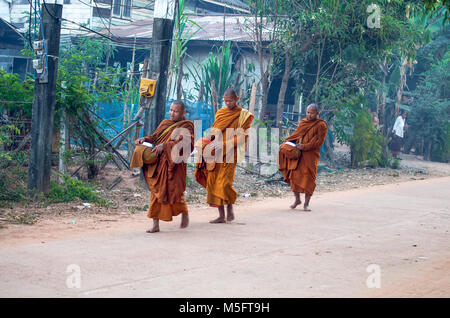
(218, 177)
(301, 175)
(167, 182)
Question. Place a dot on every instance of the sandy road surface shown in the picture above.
(269, 251)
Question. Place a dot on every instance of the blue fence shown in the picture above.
(112, 113)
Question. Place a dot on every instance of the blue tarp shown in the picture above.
(113, 114)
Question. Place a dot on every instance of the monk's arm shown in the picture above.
(317, 141)
(246, 126)
(153, 137)
(294, 136)
(241, 138)
(168, 145)
(150, 138)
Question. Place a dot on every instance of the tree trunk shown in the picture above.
(265, 93)
(201, 92)
(237, 79)
(401, 86)
(180, 79)
(329, 146)
(427, 154)
(214, 96)
(319, 66)
(283, 88)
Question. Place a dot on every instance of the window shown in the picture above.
(122, 8)
(126, 8)
(116, 7)
(66, 2)
(200, 11)
(101, 13)
(103, 1)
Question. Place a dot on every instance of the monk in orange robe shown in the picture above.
(218, 177)
(166, 178)
(301, 174)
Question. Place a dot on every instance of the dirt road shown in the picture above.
(395, 237)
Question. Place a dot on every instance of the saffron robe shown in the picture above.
(167, 179)
(218, 177)
(301, 174)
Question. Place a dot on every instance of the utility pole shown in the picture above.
(44, 102)
(108, 52)
(163, 23)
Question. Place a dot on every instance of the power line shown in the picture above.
(93, 31)
(101, 19)
(116, 5)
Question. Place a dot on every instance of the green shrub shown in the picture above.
(395, 164)
(73, 190)
(366, 142)
(12, 185)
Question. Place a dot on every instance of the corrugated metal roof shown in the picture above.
(11, 38)
(232, 4)
(237, 28)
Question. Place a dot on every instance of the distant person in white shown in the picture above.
(397, 138)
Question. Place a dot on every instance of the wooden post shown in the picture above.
(163, 23)
(253, 99)
(64, 134)
(44, 104)
(214, 96)
(130, 83)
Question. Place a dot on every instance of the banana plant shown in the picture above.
(185, 30)
(217, 68)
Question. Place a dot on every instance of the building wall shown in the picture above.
(5, 10)
(79, 11)
(198, 55)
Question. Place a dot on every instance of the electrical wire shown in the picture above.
(118, 5)
(101, 19)
(115, 40)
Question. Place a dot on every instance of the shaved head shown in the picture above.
(312, 111)
(230, 92)
(179, 103)
(313, 107)
(230, 98)
(177, 110)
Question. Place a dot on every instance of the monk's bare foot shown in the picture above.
(218, 220)
(230, 213)
(153, 230)
(184, 220)
(297, 202)
(306, 208)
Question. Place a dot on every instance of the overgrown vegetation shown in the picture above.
(72, 190)
(327, 48)
(429, 121)
(334, 56)
(215, 70)
(83, 86)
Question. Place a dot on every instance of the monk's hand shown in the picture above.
(139, 141)
(216, 145)
(158, 149)
(299, 146)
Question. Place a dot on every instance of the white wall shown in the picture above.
(77, 11)
(4, 10)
